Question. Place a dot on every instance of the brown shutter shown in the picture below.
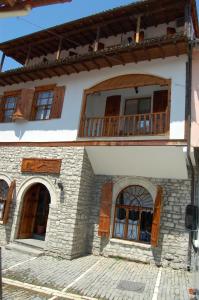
(160, 101)
(105, 210)
(24, 105)
(58, 101)
(156, 218)
(9, 201)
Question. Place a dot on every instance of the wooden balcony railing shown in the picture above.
(125, 125)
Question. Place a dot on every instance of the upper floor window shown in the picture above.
(8, 107)
(40, 103)
(43, 104)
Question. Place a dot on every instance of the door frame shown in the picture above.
(25, 185)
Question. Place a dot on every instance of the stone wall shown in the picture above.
(173, 239)
(72, 228)
(66, 234)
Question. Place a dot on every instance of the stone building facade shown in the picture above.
(73, 221)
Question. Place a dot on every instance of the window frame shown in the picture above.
(128, 208)
(138, 99)
(6, 95)
(38, 90)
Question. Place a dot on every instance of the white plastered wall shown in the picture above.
(65, 128)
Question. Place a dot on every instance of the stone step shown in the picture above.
(25, 249)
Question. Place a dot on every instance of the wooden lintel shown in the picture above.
(88, 143)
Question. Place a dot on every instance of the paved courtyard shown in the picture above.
(89, 277)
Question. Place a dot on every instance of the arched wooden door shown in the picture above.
(34, 213)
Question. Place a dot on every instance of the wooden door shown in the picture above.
(160, 101)
(160, 105)
(112, 112)
(28, 214)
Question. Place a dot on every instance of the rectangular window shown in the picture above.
(10, 103)
(138, 106)
(43, 104)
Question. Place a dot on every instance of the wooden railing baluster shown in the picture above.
(125, 125)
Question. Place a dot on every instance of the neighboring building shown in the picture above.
(95, 134)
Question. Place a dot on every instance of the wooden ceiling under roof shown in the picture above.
(118, 55)
(83, 31)
(13, 5)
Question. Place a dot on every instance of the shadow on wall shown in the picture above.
(84, 218)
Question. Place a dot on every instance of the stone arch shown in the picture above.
(26, 184)
(24, 187)
(6, 178)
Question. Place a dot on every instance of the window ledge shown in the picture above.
(129, 243)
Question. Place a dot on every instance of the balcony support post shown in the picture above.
(28, 56)
(137, 37)
(59, 48)
(188, 26)
(97, 39)
(2, 61)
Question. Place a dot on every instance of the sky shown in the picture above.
(47, 16)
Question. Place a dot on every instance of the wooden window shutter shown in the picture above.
(58, 101)
(160, 101)
(105, 210)
(1, 108)
(156, 218)
(9, 201)
(24, 105)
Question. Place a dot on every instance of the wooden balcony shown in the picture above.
(125, 125)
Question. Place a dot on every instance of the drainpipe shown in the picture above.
(191, 167)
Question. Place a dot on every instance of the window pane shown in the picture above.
(144, 106)
(8, 115)
(120, 221)
(131, 107)
(44, 103)
(40, 114)
(3, 189)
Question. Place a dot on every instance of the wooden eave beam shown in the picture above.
(161, 51)
(95, 63)
(74, 68)
(107, 61)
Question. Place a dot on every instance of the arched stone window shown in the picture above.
(133, 214)
(3, 196)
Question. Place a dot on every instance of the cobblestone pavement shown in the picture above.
(12, 293)
(92, 276)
